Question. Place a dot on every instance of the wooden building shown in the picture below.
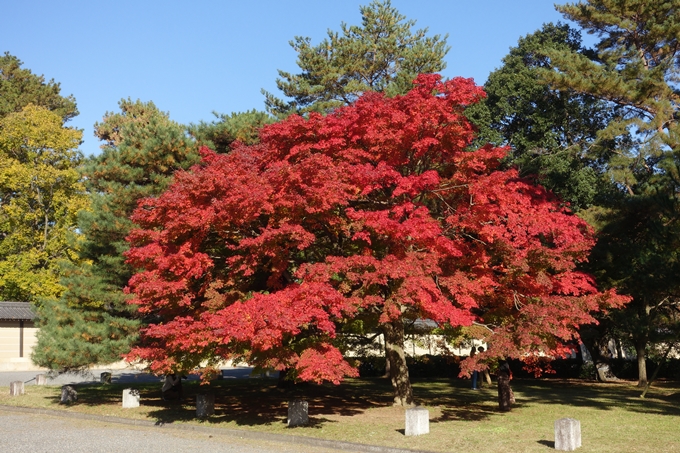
(17, 336)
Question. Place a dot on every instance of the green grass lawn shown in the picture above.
(613, 417)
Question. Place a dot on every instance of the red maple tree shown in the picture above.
(377, 211)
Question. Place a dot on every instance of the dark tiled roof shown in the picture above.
(16, 311)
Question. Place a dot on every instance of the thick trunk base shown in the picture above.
(604, 373)
(505, 396)
(395, 355)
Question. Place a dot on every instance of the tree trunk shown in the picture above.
(487, 377)
(394, 352)
(387, 362)
(283, 382)
(504, 394)
(619, 349)
(597, 345)
(671, 345)
(386, 374)
(641, 350)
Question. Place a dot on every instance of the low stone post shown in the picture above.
(130, 398)
(567, 434)
(205, 405)
(105, 377)
(16, 388)
(298, 413)
(417, 421)
(68, 394)
(40, 379)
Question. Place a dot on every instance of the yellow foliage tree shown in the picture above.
(40, 196)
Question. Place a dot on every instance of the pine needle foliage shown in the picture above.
(19, 87)
(635, 69)
(92, 323)
(382, 54)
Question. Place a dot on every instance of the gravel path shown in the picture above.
(36, 433)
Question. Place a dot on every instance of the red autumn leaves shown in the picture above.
(378, 211)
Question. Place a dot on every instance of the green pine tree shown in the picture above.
(636, 70)
(219, 135)
(382, 54)
(551, 132)
(20, 87)
(91, 323)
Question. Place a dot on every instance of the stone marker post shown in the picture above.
(105, 377)
(567, 434)
(130, 398)
(298, 413)
(40, 379)
(16, 388)
(68, 394)
(417, 421)
(205, 405)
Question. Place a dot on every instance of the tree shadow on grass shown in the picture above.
(468, 413)
(456, 399)
(315, 422)
(95, 394)
(132, 379)
(601, 396)
(252, 403)
(458, 402)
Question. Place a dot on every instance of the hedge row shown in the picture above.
(448, 367)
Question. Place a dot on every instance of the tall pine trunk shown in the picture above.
(641, 350)
(394, 352)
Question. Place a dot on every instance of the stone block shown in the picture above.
(105, 377)
(205, 405)
(567, 434)
(130, 398)
(417, 421)
(16, 388)
(40, 379)
(68, 394)
(298, 413)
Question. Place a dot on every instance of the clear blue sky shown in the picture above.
(193, 58)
